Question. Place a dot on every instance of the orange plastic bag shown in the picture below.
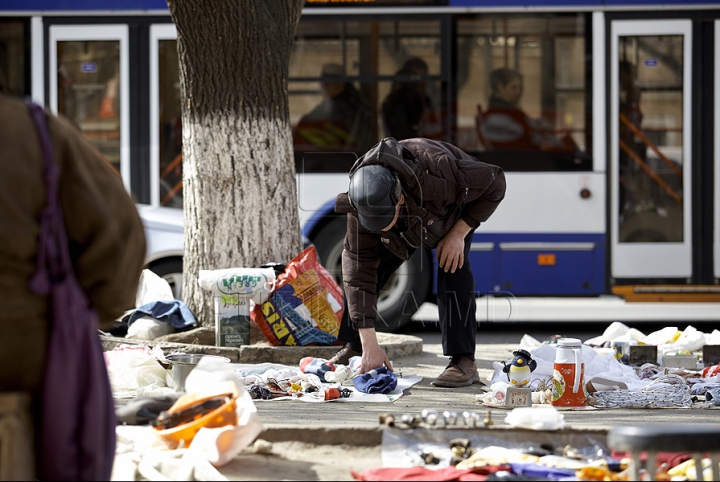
(306, 306)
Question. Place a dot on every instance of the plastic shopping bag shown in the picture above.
(306, 307)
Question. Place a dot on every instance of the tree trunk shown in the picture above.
(239, 186)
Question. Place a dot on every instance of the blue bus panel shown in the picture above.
(81, 5)
(539, 264)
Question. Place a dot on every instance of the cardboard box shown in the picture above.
(711, 355)
(680, 361)
(518, 397)
(639, 355)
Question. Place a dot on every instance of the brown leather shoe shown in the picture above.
(461, 372)
(344, 355)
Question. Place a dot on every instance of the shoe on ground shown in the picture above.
(461, 372)
(344, 355)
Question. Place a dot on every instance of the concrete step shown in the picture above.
(395, 345)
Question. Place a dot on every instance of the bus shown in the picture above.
(602, 113)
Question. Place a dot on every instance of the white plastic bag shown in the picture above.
(252, 283)
(536, 418)
(220, 445)
(691, 340)
(152, 288)
(134, 370)
(148, 328)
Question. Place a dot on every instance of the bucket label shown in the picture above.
(232, 321)
(562, 383)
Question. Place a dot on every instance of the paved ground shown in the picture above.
(306, 441)
(429, 364)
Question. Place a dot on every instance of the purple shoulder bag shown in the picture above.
(77, 424)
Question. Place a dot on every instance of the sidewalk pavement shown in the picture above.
(414, 356)
(428, 363)
(325, 441)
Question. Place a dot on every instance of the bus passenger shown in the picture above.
(340, 122)
(630, 194)
(408, 110)
(506, 126)
(404, 194)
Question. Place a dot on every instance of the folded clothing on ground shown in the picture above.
(380, 380)
(175, 313)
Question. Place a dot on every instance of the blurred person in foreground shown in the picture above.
(404, 194)
(105, 237)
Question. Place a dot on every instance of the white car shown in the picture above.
(165, 238)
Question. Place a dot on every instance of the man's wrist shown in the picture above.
(461, 228)
(368, 336)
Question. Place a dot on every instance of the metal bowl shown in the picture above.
(181, 364)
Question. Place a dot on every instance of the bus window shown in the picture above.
(170, 125)
(521, 91)
(650, 182)
(12, 55)
(354, 82)
(89, 92)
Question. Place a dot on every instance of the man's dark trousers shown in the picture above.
(456, 305)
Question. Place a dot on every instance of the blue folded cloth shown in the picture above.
(175, 313)
(542, 472)
(380, 380)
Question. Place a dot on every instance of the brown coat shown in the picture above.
(106, 237)
(442, 184)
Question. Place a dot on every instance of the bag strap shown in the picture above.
(53, 252)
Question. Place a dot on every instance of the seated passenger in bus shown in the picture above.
(408, 110)
(506, 126)
(340, 122)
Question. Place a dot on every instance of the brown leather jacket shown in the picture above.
(106, 237)
(441, 184)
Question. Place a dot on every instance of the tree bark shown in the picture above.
(239, 187)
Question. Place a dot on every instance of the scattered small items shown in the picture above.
(429, 458)
(488, 421)
(316, 366)
(429, 418)
(623, 368)
(144, 410)
(620, 348)
(520, 367)
(258, 392)
(461, 450)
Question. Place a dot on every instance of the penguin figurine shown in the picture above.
(519, 369)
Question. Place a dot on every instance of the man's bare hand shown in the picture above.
(450, 252)
(373, 356)
(451, 248)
